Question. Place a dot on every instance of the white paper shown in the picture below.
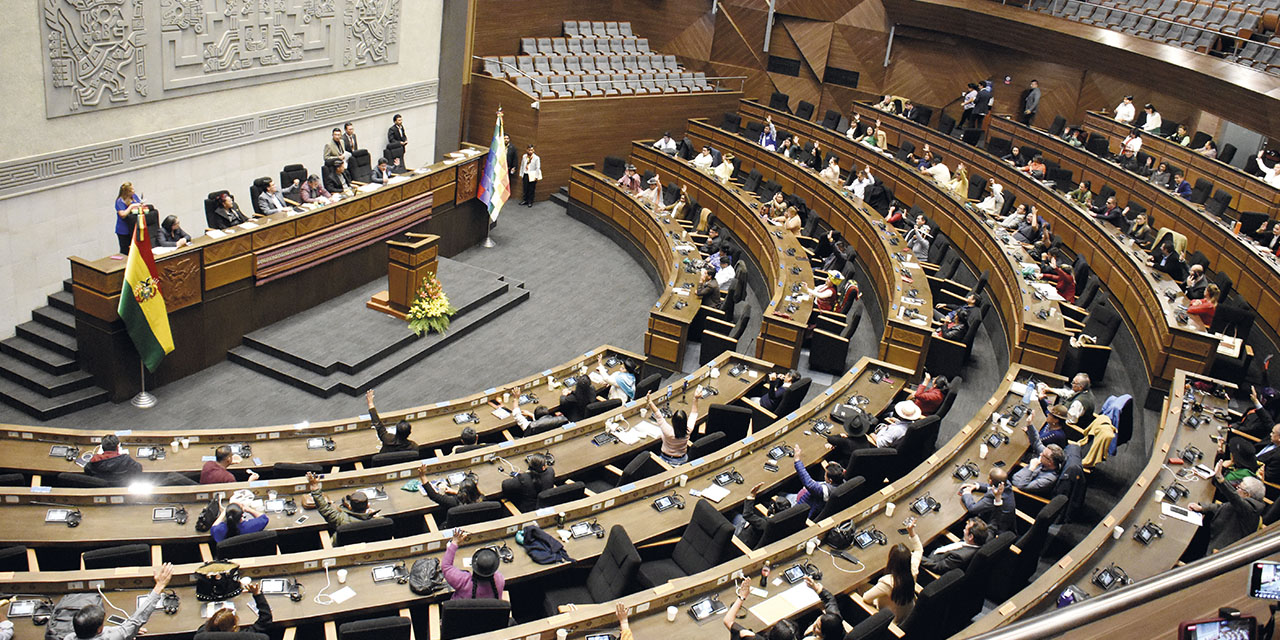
(646, 428)
(1048, 290)
(159, 251)
(628, 436)
(1181, 513)
(342, 595)
(248, 224)
(715, 493)
(214, 233)
(680, 291)
(1018, 388)
(501, 413)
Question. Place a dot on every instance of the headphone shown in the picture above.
(180, 517)
(169, 601)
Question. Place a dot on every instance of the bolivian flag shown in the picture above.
(141, 304)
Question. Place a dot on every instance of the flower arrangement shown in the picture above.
(430, 310)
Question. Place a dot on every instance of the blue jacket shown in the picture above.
(1111, 409)
(815, 493)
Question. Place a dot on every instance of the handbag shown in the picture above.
(217, 580)
(208, 516)
(426, 577)
(841, 535)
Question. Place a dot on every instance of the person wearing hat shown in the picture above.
(630, 182)
(354, 507)
(653, 194)
(891, 431)
(482, 581)
(217, 470)
(666, 144)
(827, 295)
(1052, 432)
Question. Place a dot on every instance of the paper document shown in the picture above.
(1181, 513)
(628, 436)
(248, 224)
(501, 413)
(646, 428)
(716, 493)
(342, 595)
(214, 233)
(785, 604)
(159, 251)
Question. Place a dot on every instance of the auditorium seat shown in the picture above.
(779, 101)
(604, 406)
(1023, 564)
(472, 616)
(231, 635)
(395, 151)
(465, 514)
(246, 545)
(294, 469)
(733, 421)
(978, 577)
(783, 524)
(371, 530)
(642, 466)
(842, 497)
(829, 350)
(876, 466)
(80, 480)
(386, 628)
(392, 457)
(719, 336)
(611, 575)
(831, 120)
(292, 172)
(732, 122)
(707, 445)
(126, 555)
(705, 543)
(259, 185)
(875, 627)
(804, 110)
(13, 480)
(211, 203)
(567, 492)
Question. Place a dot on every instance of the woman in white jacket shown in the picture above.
(531, 172)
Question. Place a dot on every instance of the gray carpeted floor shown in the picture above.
(585, 292)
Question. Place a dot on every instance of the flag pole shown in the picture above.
(143, 400)
(488, 242)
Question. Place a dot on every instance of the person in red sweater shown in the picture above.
(1061, 276)
(216, 471)
(1205, 307)
(928, 395)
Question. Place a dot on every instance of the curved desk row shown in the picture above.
(1166, 345)
(932, 478)
(1141, 504)
(662, 241)
(32, 449)
(228, 284)
(130, 511)
(629, 505)
(1031, 339)
(1251, 193)
(781, 258)
(905, 340)
(1254, 272)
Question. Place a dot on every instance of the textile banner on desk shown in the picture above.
(495, 187)
(142, 305)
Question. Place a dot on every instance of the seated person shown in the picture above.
(859, 182)
(1015, 157)
(1146, 168)
(1168, 261)
(775, 387)
(232, 523)
(815, 493)
(1077, 398)
(1041, 473)
(1271, 174)
(1209, 150)
(1230, 521)
(959, 184)
(523, 489)
(226, 620)
(337, 180)
(994, 203)
(1016, 218)
(943, 312)
(1181, 136)
(1205, 307)
(896, 589)
(382, 173)
(815, 157)
(1141, 233)
(314, 192)
(676, 431)
(827, 295)
(272, 200)
(750, 526)
(1110, 212)
(1036, 168)
(653, 194)
(918, 242)
(727, 272)
(630, 180)
(1130, 146)
(217, 470)
(666, 144)
(929, 393)
(713, 243)
(110, 464)
(468, 440)
(1161, 176)
(393, 439)
(832, 172)
(482, 581)
(887, 434)
(958, 554)
(789, 220)
(354, 506)
(467, 492)
(724, 170)
(171, 234)
(1180, 185)
(997, 506)
(1195, 284)
(622, 384)
(1052, 432)
(88, 621)
(542, 419)
(1029, 231)
(704, 158)
(939, 171)
(228, 213)
(1063, 280)
(1082, 195)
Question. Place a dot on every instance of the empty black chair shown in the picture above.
(905, 148)
(125, 555)
(231, 635)
(392, 457)
(1200, 192)
(779, 101)
(292, 172)
(1097, 145)
(1059, 123)
(928, 619)
(648, 384)
(360, 165)
(610, 578)
(719, 336)
(923, 115)
(1030, 546)
(828, 351)
(386, 628)
(876, 465)
(644, 465)
(752, 131)
(842, 497)
(733, 422)
(371, 530)
(946, 124)
(977, 187)
(567, 492)
(1219, 204)
(81, 480)
(294, 469)
(753, 180)
(732, 122)
(248, 545)
(977, 578)
(465, 514)
(613, 167)
(804, 110)
(14, 559)
(604, 406)
(705, 543)
(1227, 153)
(831, 120)
(999, 147)
(472, 616)
(707, 444)
(971, 136)
(874, 628)
(783, 524)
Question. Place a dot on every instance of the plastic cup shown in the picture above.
(173, 446)
(186, 443)
(982, 451)
(342, 576)
(671, 614)
(888, 509)
(684, 479)
(1117, 532)
(810, 546)
(561, 634)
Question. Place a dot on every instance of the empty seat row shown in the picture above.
(612, 85)
(512, 66)
(582, 46)
(587, 29)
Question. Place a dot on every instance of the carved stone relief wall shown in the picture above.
(101, 54)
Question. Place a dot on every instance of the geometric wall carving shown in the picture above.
(101, 54)
(25, 175)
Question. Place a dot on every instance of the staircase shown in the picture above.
(39, 369)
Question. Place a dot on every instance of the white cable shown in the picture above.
(109, 603)
(838, 567)
(327, 599)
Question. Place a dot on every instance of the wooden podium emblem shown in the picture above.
(408, 262)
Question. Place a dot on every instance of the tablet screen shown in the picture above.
(664, 503)
(162, 513)
(581, 529)
(57, 515)
(794, 574)
(385, 572)
(274, 585)
(22, 608)
(315, 443)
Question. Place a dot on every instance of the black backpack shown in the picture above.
(841, 535)
(60, 623)
(208, 516)
(426, 577)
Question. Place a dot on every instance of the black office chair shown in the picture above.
(648, 384)
(231, 635)
(604, 406)
(719, 336)
(732, 122)
(292, 172)
(472, 616)
(387, 628)
(259, 185)
(13, 480)
(643, 465)
(1098, 145)
(1200, 192)
(371, 530)
(874, 628)
(392, 457)
(905, 149)
(211, 204)
(294, 469)
(614, 167)
(804, 110)
(706, 445)
(999, 147)
(1059, 123)
(610, 577)
(14, 559)
(828, 350)
(923, 116)
(125, 555)
(465, 514)
(1227, 153)
(80, 480)
(733, 422)
(1219, 204)
(831, 120)
(876, 465)
(928, 619)
(705, 543)
(977, 579)
(392, 153)
(567, 492)
(793, 396)
(1030, 546)
(1197, 139)
(971, 136)
(779, 101)
(783, 524)
(845, 495)
(248, 545)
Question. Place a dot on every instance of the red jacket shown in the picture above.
(1065, 282)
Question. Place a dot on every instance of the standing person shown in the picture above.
(982, 103)
(128, 204)
(513, 162)
(1031, 103)
(967, 101)
(349, 144)
(482, 581)
(531, 172)
(396, 134)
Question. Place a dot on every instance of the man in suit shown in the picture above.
(957, 555)
(1031, 103)
(271, 200)
(1196, 282)
(336, 179)
(1269, 456)
(708, 289)
(313, 191)
(909, 111)
(982, 104)
(1169, 262)
(523, 489)
(396, 134)
(513, 163)
(1237, 517)
(382, 174)
(996, 507)
(1041, 473)
(333, 148)
(1258, 419)
(349, 144)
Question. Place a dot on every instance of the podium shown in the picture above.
(408, 262)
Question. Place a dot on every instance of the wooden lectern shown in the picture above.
(408, 262)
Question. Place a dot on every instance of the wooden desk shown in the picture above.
(661, 240)
(218, 289)
(27, 448)
(129, 512)
(1254, 273)
(1031, 340)
(1248, 192)
(778, 256)
(1164, 344)
(628, 505)
(1134, 509)
(934, 477)
(905, 341)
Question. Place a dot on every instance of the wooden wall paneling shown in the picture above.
(1101, 91)
(739, 36)
(824, 10)
(692, 45)
(813, 39)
